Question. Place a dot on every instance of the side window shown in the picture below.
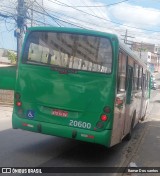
(148, 80)
(144, 79)
(121, 72)
(135, 80)
(130, 64)
(139, 78)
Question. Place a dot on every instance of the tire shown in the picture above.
(144, 117)
(129, 135)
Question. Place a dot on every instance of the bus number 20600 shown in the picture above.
(80, 124)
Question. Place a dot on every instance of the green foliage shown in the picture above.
(12, 56)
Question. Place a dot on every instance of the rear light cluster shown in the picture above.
(17, 97)
(106, 110)
(104, 117)
(18, 104)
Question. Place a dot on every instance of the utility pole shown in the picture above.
(126, 41)
(32, 15)
(21, 15)
(43, 12)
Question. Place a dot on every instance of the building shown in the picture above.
(143, 47)
(4, 56)
(150, 53)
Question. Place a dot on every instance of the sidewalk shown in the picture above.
(148, 150)
(5, 112)
(5, 117)
(148, 153)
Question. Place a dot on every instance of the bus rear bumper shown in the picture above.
(102, 137)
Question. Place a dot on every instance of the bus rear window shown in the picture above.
(82, 52)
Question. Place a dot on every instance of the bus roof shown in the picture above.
(70, 30)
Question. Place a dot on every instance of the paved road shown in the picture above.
(5, 117)
(25, 149)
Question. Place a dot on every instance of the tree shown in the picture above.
(12, 56)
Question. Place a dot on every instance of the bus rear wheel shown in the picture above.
(129, 135)
(144, 116)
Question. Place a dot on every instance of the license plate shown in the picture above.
(60, 113)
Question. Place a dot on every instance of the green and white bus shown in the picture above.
(79, 84)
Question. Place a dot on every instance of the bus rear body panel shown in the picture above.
(71, 101)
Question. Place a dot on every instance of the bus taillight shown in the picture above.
(18, 103)
(20, 111)
(107, 109)
(104, 117)
(17, 96)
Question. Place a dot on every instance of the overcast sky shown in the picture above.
(140, 17)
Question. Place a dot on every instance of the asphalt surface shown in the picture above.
(25, 149)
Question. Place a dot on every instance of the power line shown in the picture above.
(82, 21)
(5, 16)
(68, 21)
(59, 19)
(71, 17)
(119, 23)
(109, 20)
(105, 5)
(59, 3)
(9, 30)
(54, 17)
(47, 13)
(145, 8)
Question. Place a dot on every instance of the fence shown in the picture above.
(6, 97)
